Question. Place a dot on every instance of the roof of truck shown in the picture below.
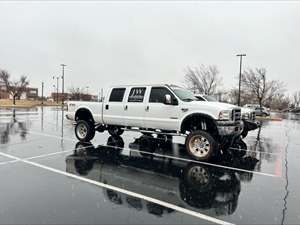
(139, 85)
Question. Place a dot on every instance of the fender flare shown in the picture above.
(88, 110)
(187, 117)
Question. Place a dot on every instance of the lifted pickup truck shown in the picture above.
(163, 109)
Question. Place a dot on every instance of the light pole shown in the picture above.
(240, 77)
(42, 93)
(56, 87)
(63, 82)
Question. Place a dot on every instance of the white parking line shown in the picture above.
(21, 142)
(133, 194)
(195, 161)
(246, 150)
(8, 162)
(165, 156)
(54, 153)
(51, 135)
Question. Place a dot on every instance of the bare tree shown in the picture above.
(78, 94)
(255, 83)
(203, 79)
(75, 93)
(296, 98)
(279, 101)
(14, 88)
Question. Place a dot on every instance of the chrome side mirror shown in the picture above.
(168, 100)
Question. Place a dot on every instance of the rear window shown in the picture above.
(117, 95)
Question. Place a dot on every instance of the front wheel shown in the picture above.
(84, 131)
(244, 132)
(115, 131)
(200, 145)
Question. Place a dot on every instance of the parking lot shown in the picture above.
(47, 177)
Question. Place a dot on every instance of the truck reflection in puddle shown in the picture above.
(202, 188)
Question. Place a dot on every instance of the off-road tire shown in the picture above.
(244, 132)
(84, 130)
(115, 131)
(200, 145)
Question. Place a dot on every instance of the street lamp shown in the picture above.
(57, 78)
(240, 77)
(63, 82)
(42, 93)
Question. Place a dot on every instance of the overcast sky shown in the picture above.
(107, 43)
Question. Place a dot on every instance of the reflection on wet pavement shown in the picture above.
(253, 181)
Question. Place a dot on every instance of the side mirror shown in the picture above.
(168, 100)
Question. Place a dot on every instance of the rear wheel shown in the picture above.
(115, 130)
(84, 130)
(200, 145)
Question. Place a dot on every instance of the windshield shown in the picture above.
(184, 95)
(210, 98)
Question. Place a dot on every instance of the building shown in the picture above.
(73, 97)
(29, 94)
(59, 96)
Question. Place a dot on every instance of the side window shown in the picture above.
(157, 94)
(137, 94)
(117, 95)
(200, 98)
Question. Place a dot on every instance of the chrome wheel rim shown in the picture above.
(199, 146)
(198, 176)
(82, 131)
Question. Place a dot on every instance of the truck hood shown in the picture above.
(217, 105)
(223, 106)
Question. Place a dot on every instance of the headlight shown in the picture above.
(246, 116)
(225, 115)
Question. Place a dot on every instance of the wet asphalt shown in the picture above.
(47, 177)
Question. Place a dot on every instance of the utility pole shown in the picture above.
(56, 88)
(240, 77)
(42, 93)
(63, 82)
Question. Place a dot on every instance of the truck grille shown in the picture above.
(252, 116)
(236, 114)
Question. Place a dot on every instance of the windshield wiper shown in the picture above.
(189, 99)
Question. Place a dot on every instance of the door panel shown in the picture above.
(113, 112)
(160, 115)
(134, 107)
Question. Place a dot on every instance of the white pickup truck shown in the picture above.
(164, 109)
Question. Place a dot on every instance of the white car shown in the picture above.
(248, 114)
(163, 109)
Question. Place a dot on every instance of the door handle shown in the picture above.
(147, 108)
(125, 107)
(106, 107)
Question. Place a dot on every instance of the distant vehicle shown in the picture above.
(259, 111)
(248, 114)
(262, 111)
(163, 109)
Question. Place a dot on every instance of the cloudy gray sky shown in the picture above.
(106, 43)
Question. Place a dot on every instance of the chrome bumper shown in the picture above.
(70, 116)
(228, 128)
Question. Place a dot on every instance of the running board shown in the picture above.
(145, 131)
(155, 132)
